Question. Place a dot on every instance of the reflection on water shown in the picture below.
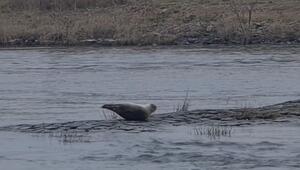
(213, 132)
(71, 136)
(59, 85)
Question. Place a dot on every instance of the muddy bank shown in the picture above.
(186, 40)
(227, 117)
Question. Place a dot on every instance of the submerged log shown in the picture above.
(286, 110)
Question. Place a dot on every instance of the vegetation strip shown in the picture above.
(148, 22)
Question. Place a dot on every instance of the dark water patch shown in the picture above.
(91, 158)
(284, 59)
(268, 143)
(71, 137)
(249, 61)
(196, 156)
(237, 145)
(194, 143)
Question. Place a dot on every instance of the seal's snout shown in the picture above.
(112, 107)
(107, 106)
(104, 106)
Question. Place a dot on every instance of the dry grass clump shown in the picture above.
(137, 22)
(184, 107)
(126, 26)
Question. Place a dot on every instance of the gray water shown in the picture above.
(59, 85)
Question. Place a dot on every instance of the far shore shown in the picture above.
(64, 23)
(190, 46)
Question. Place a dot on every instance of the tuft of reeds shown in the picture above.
(243, 12)
(184, 107)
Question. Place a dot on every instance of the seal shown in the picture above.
(132, 111)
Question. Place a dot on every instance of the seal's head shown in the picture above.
(152, 108)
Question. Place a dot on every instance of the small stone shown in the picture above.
(106, 41)
(15, 41)
(209, 28)
(89, 41)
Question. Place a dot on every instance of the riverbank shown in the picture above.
(134, 22)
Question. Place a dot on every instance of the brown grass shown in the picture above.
(137, 22)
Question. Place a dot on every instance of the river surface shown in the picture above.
(70, 84)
